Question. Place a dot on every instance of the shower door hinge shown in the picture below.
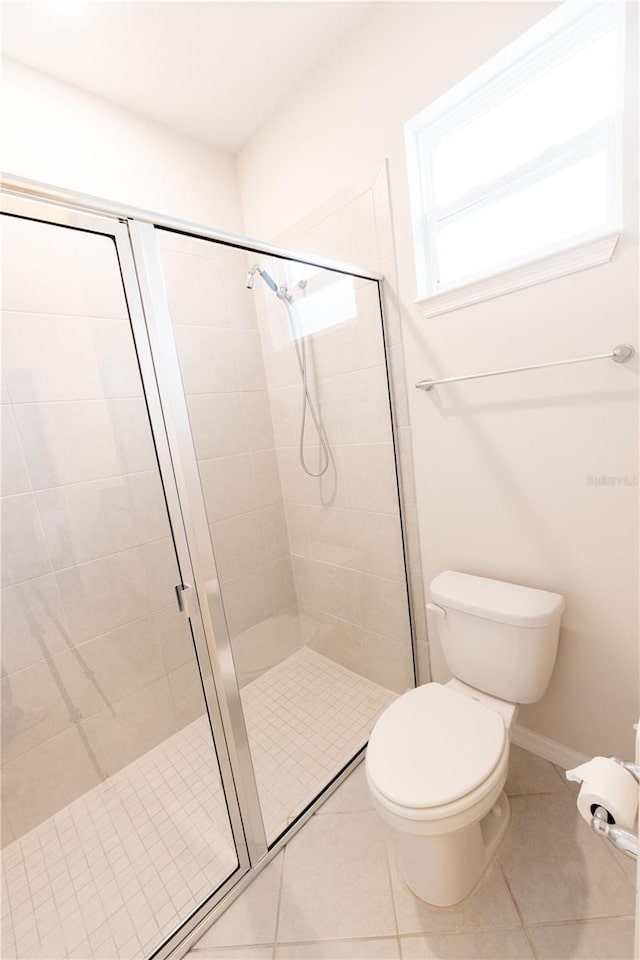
(187, 599)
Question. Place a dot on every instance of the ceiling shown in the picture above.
(213, 70)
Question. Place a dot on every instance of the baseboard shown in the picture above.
(546, 748)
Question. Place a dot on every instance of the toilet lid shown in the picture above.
(433, 746)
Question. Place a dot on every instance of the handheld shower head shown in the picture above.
(282, 293)
(270, 282)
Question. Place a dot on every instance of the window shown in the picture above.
(521, 162)
(323, 298)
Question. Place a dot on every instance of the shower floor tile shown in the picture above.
(305, 719)
(115, 872)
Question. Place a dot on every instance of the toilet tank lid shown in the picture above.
(496, 599)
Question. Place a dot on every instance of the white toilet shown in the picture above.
(438, 756)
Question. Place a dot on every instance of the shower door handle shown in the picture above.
(186, 599)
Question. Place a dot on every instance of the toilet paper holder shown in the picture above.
(633, 768)
(624, 840)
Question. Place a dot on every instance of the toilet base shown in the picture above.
(445, 868)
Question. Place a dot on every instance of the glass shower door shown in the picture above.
(285, 400)
(115, 822)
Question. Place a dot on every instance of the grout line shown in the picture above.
(517, 908)
(148, 615)
(616, 857)
(534, 793)
(69, 316)
(63, 401)
(98, 399)
(206, 952)
(75, 714)
(81, 563)
(302, 943)
(561, 923)
(473, 931)
(229, 946)
(74, 566)
(121, 475)
(78, 726)
(386, 840)
(622, 872)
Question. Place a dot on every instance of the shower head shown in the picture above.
(270, 282)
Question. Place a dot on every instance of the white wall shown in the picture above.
(500, 466)
(58, 134)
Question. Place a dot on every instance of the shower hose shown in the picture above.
(307, 400)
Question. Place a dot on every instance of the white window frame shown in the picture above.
(539, 49)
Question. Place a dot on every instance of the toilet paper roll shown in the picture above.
(606, 784)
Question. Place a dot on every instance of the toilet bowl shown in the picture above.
(436, 766)
(438, 756)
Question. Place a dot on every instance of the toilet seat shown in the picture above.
(434, 753)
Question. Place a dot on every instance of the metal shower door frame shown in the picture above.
(28, 208)
(146, 254)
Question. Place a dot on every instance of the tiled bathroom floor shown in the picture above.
(556, 891)
(111, 875)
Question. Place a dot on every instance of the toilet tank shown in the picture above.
(501, 638)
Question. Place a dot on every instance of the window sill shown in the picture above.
(584, 255)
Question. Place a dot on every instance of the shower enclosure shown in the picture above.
(205, 601)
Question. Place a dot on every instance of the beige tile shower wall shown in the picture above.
(344, 529)
(97, 667)
(220, 355)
